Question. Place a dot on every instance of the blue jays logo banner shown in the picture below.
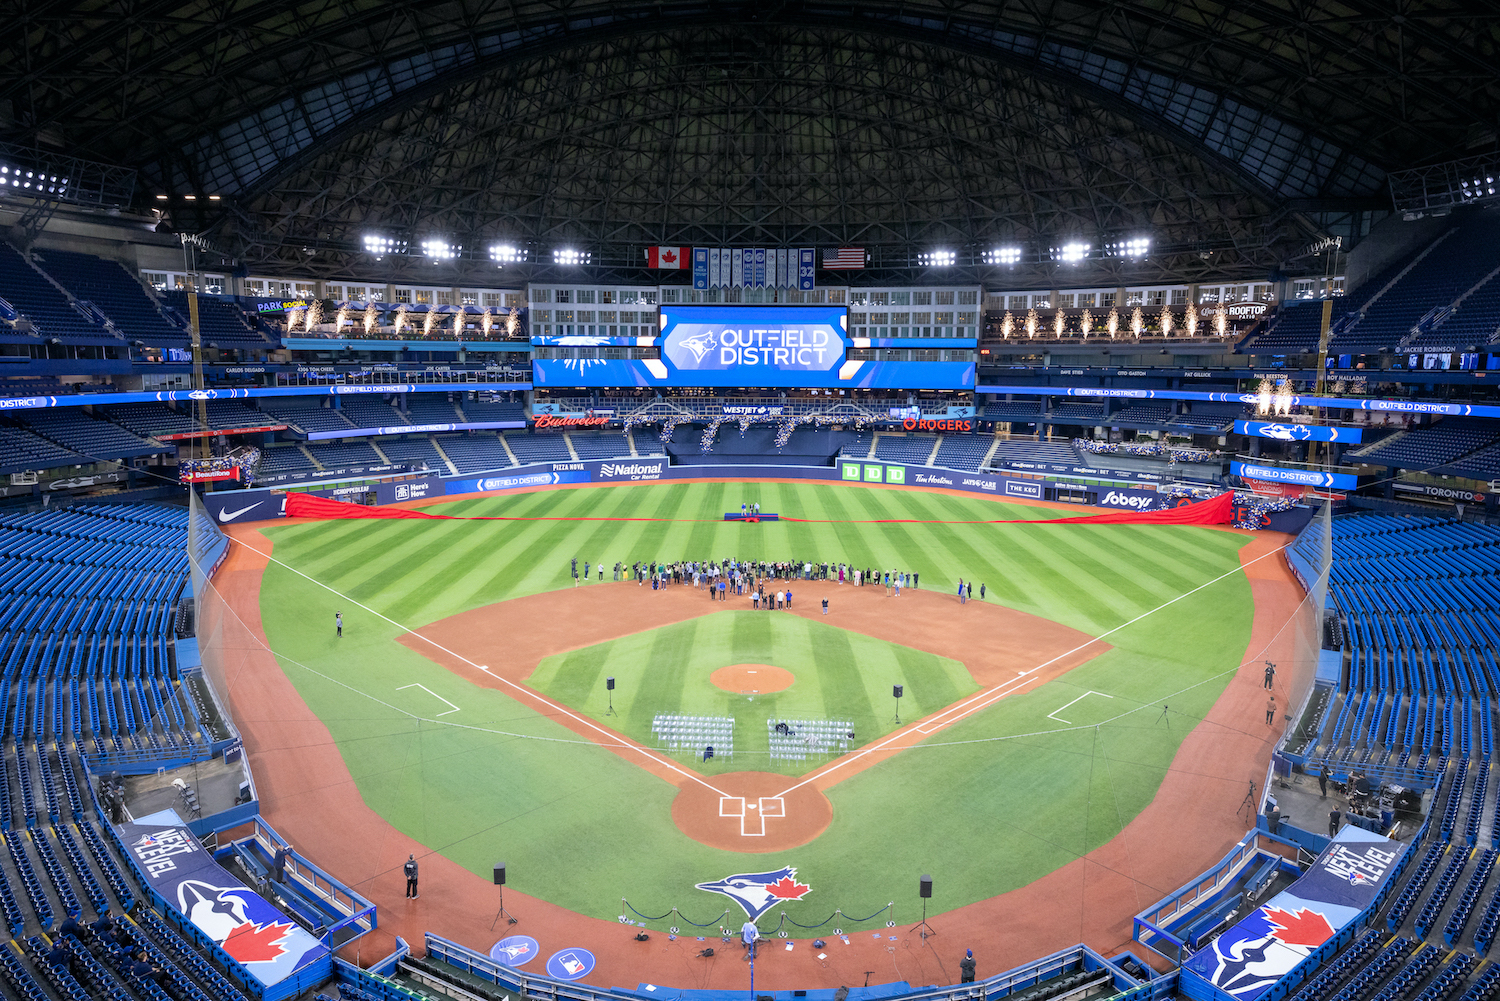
(243, 924)
(1246, 960)
(758, 892)
(700, 267)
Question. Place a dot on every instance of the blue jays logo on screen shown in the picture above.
(765, 345)
(515, 950)
(570, 964)
(1298, 432)
(758, 892)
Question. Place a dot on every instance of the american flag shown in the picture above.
(844, 259)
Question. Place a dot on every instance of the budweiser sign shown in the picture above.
(553, 421)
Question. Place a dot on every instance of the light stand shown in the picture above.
(924, 889)
(609, 685)
(897, 691)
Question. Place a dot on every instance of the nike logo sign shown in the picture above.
(231, 515)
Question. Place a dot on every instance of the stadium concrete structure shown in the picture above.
(386, 389)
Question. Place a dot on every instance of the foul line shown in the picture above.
(613, 738)
(985, 698)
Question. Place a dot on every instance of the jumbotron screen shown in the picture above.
(754, 346)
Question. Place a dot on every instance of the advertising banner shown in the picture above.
(1277, 489)
(240, 921)
(1302, 477)
(244, 505)
(737, 410)
(183, 435)
(1298, 432)
(1458, 495)
(414, 429)
(207, 475)
(1250, 957)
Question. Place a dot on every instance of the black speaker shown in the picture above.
(924, 888)
(896, 690)
(499, 873)
(609, 684)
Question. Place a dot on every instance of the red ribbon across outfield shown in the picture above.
(1214, 511)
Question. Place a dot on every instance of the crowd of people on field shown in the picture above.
(744, 578)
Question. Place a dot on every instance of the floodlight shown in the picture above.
(937, 259)
(505, 253)
(440, 250)
(1071, 253)
(1003, 255)
(381, 245)
(570, 256)
(1135, 247)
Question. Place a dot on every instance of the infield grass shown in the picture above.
(988, 805)
(840, 675)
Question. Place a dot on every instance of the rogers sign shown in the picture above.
(947, 425)
(551, 421)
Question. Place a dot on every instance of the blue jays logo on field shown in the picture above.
(758, 892)
(515, 950)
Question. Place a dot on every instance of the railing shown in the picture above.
(1150, 925)
(358, 911)
(1077, 958)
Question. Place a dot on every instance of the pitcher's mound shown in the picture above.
(754, 813)
(752, 679)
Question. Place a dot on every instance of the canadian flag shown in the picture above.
(669, 258)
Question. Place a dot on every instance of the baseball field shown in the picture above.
(467, 695)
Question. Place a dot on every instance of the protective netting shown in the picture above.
(225, 642)
(1297, 667)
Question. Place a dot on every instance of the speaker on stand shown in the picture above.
(500, 882)
(609, 686)
(896, 692)
(924, 890)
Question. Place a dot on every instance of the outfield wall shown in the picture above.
(238, 506)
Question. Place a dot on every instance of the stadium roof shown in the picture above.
(1229, 132)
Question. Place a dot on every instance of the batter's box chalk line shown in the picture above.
(752, 816)
(452, 708)
(1053, 713)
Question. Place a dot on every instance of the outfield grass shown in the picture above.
(840, 675)
(982, 807)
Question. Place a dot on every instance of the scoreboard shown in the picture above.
(753, 346)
